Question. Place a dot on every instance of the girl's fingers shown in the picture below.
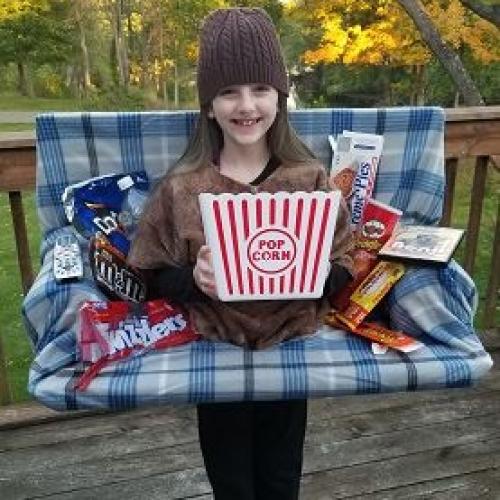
(204, 263)
(203, 272)
(205, 254)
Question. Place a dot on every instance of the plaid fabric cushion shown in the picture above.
(435, 304)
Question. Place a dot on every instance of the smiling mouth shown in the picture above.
(246, 122)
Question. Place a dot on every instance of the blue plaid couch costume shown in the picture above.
(434, 304)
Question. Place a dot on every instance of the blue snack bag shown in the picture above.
(109, 204)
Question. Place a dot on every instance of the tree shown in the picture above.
(381, 33)
(34, 34)
(84, 74)
(367, 33)
(489, 12)
(119, 45)
(448, 58)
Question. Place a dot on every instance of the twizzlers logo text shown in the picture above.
(272, 251)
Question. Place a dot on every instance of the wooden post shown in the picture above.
(5, 398)
(22, 244)
(476, 209)
(449, 190)
(494, 281)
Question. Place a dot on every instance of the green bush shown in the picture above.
(49, 83)
(116, 99)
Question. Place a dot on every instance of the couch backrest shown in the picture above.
(75, 146)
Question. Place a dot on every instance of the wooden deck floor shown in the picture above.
(430, 445)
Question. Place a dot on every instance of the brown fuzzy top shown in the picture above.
(171, 233)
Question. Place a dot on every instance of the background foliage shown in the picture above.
(142, 53)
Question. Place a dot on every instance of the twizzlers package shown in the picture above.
(114, 331)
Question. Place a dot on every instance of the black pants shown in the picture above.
(253, 450)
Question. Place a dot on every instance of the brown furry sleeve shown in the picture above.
(156, 244)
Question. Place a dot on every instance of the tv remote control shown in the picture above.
(68, 262)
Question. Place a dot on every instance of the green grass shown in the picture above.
(15, 102)
(460, 216)
(16, 127)
(17, 349)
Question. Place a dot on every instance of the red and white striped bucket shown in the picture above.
(270, 246)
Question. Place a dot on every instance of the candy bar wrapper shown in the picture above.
(381, 336)
(379, 349)
(270, 246)
(354, 169)
(390, 338)
(376, 226)
(112, 273)
(370, 292)
(331, 319)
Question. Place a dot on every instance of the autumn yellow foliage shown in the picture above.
(379, 32)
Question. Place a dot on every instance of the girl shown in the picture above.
(243, 143)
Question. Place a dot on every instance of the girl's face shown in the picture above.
(245, 112)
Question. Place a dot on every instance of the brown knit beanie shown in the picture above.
(239, 46)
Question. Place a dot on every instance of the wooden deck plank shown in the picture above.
(369, 478)
(434, 444)
(170, 427)
(182, 432)
(483, 484)
(183, 484)
(332, 457)
(93, 426)
(338, 442)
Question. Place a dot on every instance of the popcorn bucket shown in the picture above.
(270, 246)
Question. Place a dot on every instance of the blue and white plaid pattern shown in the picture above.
(435, 304)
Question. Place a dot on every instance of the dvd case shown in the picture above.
(422, 243)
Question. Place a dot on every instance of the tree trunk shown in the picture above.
(72, 80)
(161, 76)
(446, 56)
(176, 73)
(85, 62)
(124, 50)
(176, 86)
(23, 84)
(387, 95)
(489, 12)
(418, 94)
(119, 45)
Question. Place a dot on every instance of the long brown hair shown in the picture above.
(207, 141)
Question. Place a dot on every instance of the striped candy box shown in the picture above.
(270, 246)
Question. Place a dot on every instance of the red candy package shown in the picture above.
(114, 331)
(375, 228)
